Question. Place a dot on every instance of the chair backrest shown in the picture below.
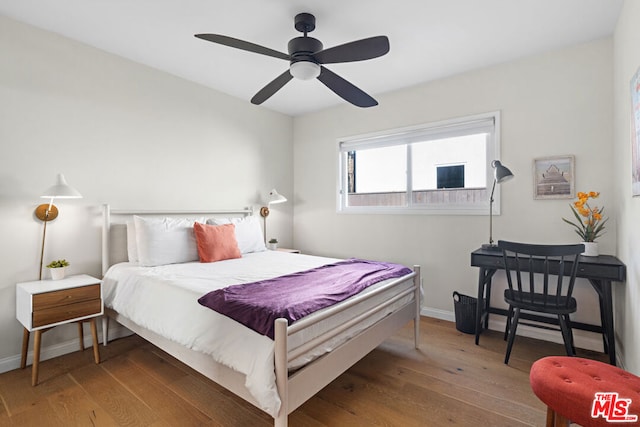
(546, 260)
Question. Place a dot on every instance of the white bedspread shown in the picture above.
(163, 299)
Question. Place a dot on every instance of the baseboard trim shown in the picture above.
(438, 314)
(583, 339)
(13, 362)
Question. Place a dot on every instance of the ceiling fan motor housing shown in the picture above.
(303, 64)
(303, 48)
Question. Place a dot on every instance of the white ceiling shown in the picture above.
(429, 39)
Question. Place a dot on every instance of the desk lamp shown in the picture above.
(501, 173)
(48, 211)
(273, 199)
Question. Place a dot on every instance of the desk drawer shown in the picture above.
(601, 271)
(61, 313)
(487, 261)
(65, 297)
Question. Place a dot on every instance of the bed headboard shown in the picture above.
(114, 227)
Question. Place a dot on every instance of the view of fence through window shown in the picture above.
(420, 169)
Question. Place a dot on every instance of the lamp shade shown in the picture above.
(61, 190)
(275, 197)
(501, 172)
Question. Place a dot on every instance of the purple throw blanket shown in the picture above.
(257, 305)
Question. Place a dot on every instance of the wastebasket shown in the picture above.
(465, 311)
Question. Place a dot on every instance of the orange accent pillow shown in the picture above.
(216, 242)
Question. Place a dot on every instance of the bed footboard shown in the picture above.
(297, 388)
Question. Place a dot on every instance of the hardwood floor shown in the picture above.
(449, 381)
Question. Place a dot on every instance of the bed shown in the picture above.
(276, 375)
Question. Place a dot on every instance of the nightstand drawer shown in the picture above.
(65, 297)
(66, 312)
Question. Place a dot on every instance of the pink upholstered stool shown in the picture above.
(587, 392)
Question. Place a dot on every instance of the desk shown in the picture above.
(600, 271)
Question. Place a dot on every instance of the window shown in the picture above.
(450, 176)
(441, 167)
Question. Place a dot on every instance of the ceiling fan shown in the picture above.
(307, 56)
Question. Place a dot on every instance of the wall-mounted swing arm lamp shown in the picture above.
(273, 198)
(501, 174)
(48, 211)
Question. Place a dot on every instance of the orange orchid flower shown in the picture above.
(591, 225)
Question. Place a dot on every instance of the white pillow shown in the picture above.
(132, 246)
(165, 240)
(248, 232)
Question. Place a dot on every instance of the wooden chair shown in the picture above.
(534, 292)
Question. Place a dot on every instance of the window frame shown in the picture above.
(405, 136)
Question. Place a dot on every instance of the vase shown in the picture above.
(272, 246)
(590, 249)
(57, 273)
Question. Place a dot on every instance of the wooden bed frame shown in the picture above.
(295, 388)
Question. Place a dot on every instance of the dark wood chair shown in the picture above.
(537, 292)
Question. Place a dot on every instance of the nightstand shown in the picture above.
(290, 251)
(44, 304)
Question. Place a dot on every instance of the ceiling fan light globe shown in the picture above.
(304, 70)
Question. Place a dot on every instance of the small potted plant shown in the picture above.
(58, 268)
(589, 223)
(273, 244)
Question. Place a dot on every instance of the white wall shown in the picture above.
(627, 297)
(135, 137)
(123, 134)
(558, 103)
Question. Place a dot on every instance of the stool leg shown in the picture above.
(556, 420)
(561, 421)
(551, 417)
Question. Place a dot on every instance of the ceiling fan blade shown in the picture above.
(271, 88)
(358, 50)
(241, 44)
(345, 90)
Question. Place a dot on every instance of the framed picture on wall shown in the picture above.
(553, 178)
(635, 133)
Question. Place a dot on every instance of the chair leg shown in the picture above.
(512, 334)
(566, 335)
(508, 325)
(573, 347)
